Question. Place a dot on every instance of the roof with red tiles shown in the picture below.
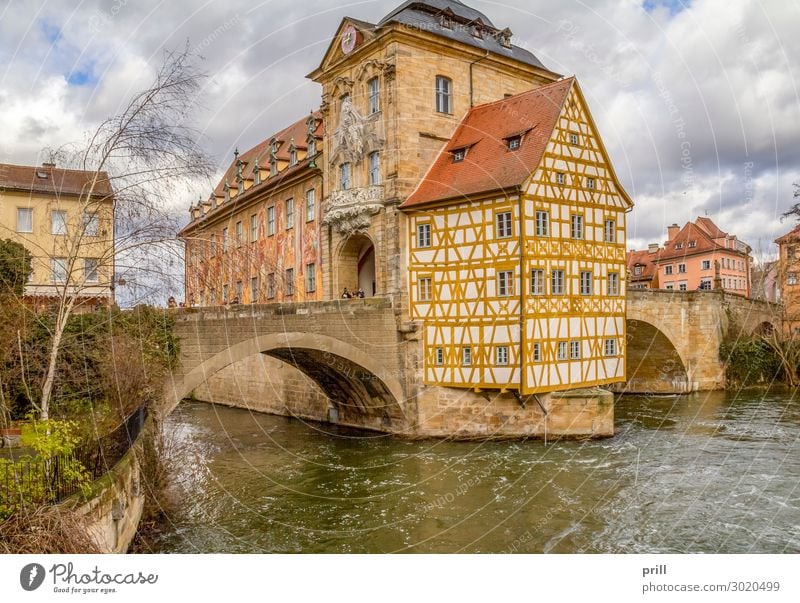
(51, 180)
(297, 133)
(489, 164)
(695, 237)
(794, 233)
(643, 258)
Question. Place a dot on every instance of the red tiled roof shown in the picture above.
(794, 233)
(488, 164)
(712, 229)
(644, 259)
(701, 233)
(57, 181)
(298, 132)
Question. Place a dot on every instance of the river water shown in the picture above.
(708, 473)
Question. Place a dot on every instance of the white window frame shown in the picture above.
(91, 224)
(576, 227)
(558, 279)
(91, 275)
(563, 350)
(289, 281)
(424, 235)
(425, 289)
(610, 347)
(444, 95)
(537, 281)
(504, 224)
(505, 283)
(501, 355)
(374, 92)
(587, 283)
(542, 223)
(311, 204)
(58, 268)
(613, 283)
(289, 214)
(610, 231)
(61, 229)
(374, 168)
(345, 176)
(25, 211)
(466, 356)
(311, 278)
(271, 221)
(575, 350)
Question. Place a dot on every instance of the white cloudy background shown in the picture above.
(697, 101)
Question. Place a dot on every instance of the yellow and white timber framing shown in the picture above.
(465, 308)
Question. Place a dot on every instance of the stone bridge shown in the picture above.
(674, 337)
(354, 362)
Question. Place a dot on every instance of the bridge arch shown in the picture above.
(358, 385)
(654, 364)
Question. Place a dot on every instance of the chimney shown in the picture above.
(652, 248)
(673, 231)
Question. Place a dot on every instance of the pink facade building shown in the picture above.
(698, 256)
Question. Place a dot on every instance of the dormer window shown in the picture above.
(240, 187)
(678, 245)
(514, 143)
(459, 155)
(293, 157)
(312, 147)
(446, 21)
(692, 244)
(477, 32)
(505, 38)
(42, 175)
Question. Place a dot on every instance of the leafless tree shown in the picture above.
(146, 153)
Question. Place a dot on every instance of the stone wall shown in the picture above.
(115, 505)
(263, 384)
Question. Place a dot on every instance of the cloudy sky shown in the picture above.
(697, 100)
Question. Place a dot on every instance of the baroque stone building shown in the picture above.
(396, 100)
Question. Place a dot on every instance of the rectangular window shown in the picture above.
(254, 290)
(289, 214)
(224, 294)
(58, 222)
(542, 224)
(311, 204)
(444, 94)
(466, 356)
(505, 283)
(459, 155)
(590, 183)
(705, 265)
(374, 168)
(611, 347)
(557, 282)
(562, 350)
(576, 227)
(91, 224)
(224, 240)
(537, 282)
(253, 228)
(425, 289)
(374, 95)
(637, 270)
(289, 281)
(573, 138)
(270, 221)
(502, 355)
(239, 292)
(682, 286)
(213, 245)
(610, 231)
(514, 143)
(705, 284)
(504, 227)
(681, 268)
(613, 283)
(439, 356)
(239, 233)
(561, 178)
(423, 235)
(537, 352)
(344, 176)
(90, 270)
(575, 350)
(24, 219)
(59, 267)
(311, 278)
(586, 283)
(667, 269)
(669, 286)
(271, 285)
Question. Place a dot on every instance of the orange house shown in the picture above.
(789, 277)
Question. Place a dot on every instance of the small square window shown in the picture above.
(573, 138)
(502, 355)
(459, 155)
(514, 143)
(611, 347)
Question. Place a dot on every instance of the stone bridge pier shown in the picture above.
(674, 337)
(356, 363)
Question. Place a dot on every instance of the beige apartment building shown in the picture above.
(65, 219)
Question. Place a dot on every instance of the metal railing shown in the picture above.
(48, 481)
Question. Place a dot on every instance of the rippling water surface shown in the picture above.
(701, 473)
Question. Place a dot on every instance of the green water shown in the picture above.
(701, 473)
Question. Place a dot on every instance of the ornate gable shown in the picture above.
(349, 37)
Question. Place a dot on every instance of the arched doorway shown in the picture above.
(356, 266)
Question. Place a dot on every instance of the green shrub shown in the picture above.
(750, 361)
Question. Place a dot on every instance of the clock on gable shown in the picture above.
(349, 39)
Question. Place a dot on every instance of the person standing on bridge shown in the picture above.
(346, 294)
